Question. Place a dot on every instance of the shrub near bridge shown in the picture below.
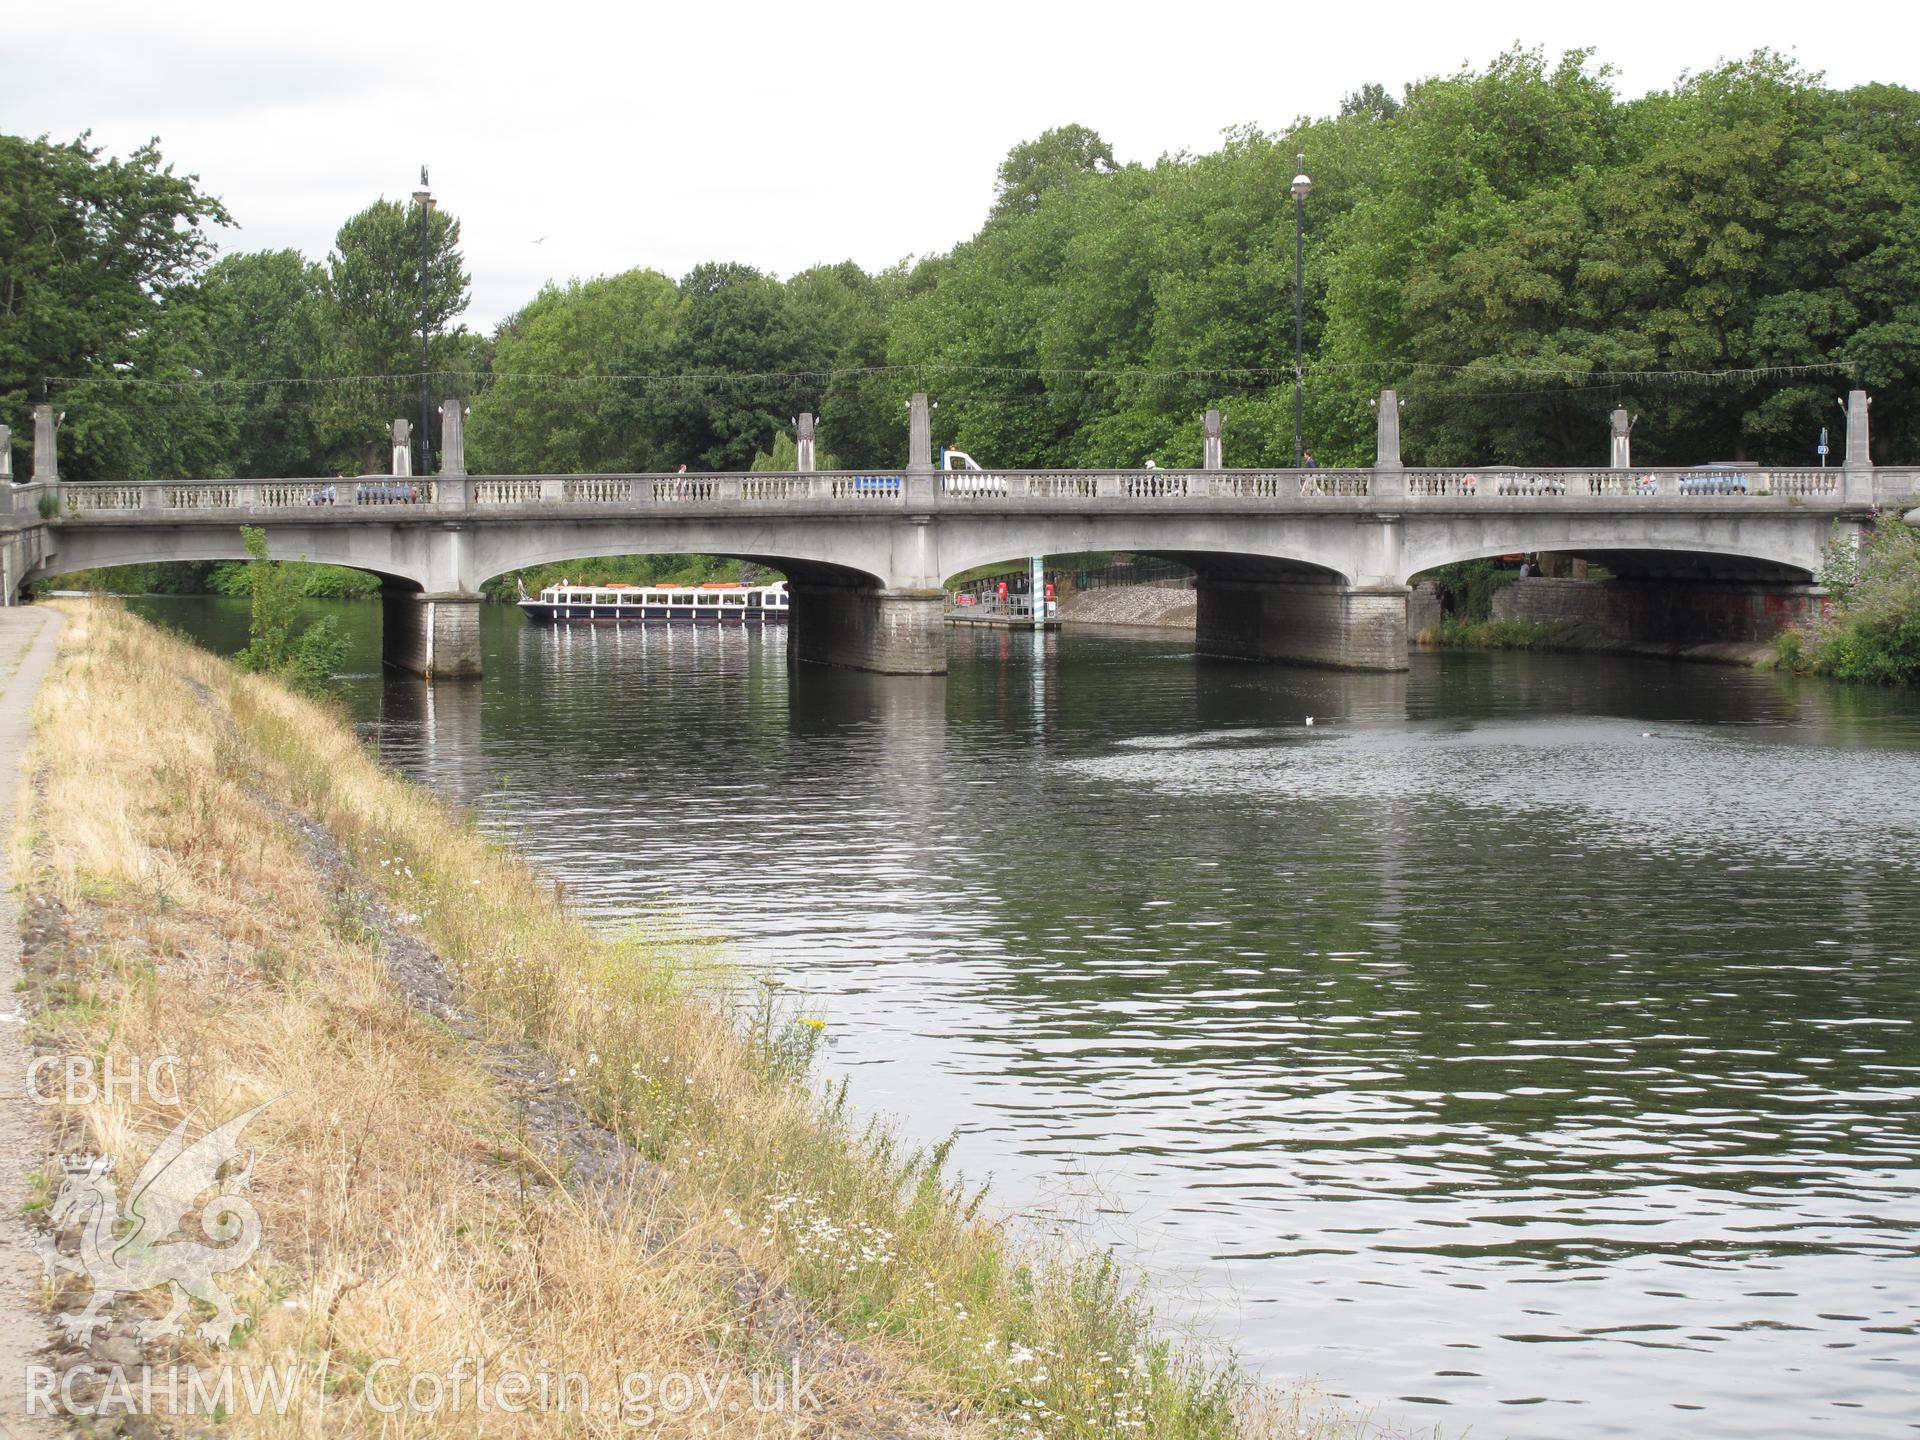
(1874, 632)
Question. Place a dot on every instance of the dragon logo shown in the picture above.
(119, 1260)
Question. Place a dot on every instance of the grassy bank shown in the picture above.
(1452, 633)
(221, 873)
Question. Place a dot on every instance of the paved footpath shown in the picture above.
(27, 640)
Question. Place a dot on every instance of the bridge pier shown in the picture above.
(1327, 624)
(891, 631)
(435, 636)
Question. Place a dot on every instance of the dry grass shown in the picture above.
(405, 1214)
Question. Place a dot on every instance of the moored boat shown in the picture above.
(713, 604)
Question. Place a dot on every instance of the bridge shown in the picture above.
(1308, 566)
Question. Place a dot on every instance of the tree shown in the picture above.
(547, 407)
(374, 311)
(95, 255)
(1051, 162)
(1499, 246)
(1525, 229)
(726, 377)
(307, 660)
(1371, 100)
(842, 312)
(1479, 256)
(261, 321)
(784, 456)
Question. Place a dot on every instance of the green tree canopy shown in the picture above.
(262, 326)
(96, 256)
(565, 421)
(1053, 161)
(723, 376)
(1503, 246)
(374, 310)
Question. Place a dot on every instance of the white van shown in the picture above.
(960, 476)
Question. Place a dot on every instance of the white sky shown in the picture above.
(777, 135)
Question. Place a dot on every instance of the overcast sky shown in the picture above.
(577, 140)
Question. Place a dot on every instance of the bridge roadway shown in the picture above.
(1310, 566)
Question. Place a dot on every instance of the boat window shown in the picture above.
(736, 599)
(754, 598)
(683, 599)
(709, 599)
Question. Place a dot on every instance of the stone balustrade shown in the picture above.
(864, 492)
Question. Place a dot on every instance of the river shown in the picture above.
(1528, 1045)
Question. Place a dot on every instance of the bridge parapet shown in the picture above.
(849, 492)
(644, 491)
(23, 502)
(1640, 484)
(243, 498)
(1896, 485)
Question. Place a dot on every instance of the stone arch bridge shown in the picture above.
(1309, 566)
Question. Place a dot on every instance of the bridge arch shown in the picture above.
(1282, 588)
(844, 609)
(1207, 566)
(77, 547)
(798, 570)
(1758, 548)
(1305, 548)
(852, 558)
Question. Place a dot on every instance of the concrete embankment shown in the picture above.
(1148, 606)
(1720, 622)
(479, 1135)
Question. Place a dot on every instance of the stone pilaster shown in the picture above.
(922, 479)
(46, 458)
(453, 438)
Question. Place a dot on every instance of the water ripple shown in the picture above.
(1532, 1039)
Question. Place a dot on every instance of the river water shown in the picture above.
(1529, 1045)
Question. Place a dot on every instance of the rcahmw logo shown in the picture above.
(123, 1255)
(101, 1391)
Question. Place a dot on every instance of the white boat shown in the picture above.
(610, 604)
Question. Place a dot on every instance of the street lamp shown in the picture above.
(423, 200)
(1301, 185)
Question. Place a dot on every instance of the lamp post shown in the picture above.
(423, 200)
(1301, 185)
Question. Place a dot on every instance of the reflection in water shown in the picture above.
(1533, 1037)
